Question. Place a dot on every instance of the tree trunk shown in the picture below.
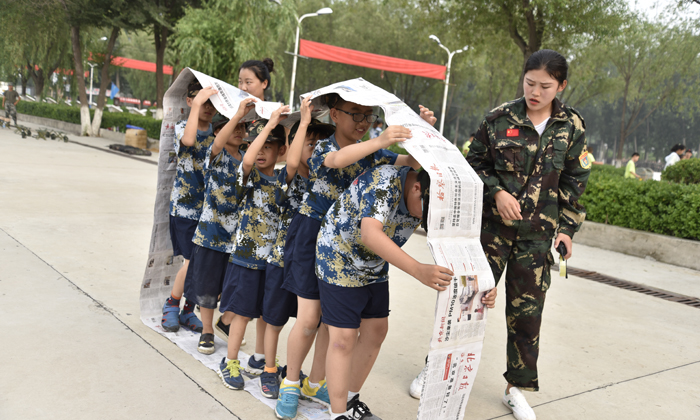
(519, 92)
(38, 78)
(161, 39)
(104, 80)
(85, 127)
(24, 78)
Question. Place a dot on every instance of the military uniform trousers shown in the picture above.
(11, 111)
(527, 264)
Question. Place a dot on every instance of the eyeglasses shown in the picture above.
(359, 117)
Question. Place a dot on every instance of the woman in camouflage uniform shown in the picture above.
(531, 155)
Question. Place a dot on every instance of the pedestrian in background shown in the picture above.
(630, 169)
(675, 155)
(376, 129)
(687, 155)
(9, 102)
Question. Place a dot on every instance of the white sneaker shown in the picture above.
(417, 384)
(515, 400)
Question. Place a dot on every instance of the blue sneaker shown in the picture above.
(190, 320)
(288, 401)
(270, 384)
(319, 395)
(230, 373)
(171, 321)
(255, 367)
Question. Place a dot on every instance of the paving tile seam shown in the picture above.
(604, 387)
(109, 311)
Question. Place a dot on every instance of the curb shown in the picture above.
(662, 248)
(74, 128)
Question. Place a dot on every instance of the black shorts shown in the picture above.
(181, 234)
(300, 257)
(243, 293)
(205, 276)
(346, 307)
(278, 304)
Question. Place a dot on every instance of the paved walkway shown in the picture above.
(74, 230)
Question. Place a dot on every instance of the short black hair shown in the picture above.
(635, 154)
(677, 147)
(333, 100)
(424, 179)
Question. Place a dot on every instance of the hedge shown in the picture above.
(71, 114)
(684, 172)
(654, 206)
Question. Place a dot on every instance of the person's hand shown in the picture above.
(277, 116)
(489, 299)
(507, 205)
(394, 134)
(306, 109)
(245, 106)
(203, 95)
(563, 237)
(427, 115)
(434, 276)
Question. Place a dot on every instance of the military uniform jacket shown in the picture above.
(546, 174)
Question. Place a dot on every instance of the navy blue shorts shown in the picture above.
(181, 234)
(346, 307)
(300, 257)
(205, 276)
(278, 304)
(243, 292)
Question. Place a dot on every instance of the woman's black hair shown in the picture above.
(261, 69)
(550, 61)
(677, 147)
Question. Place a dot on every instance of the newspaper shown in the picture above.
(161, 267)
(454, 228)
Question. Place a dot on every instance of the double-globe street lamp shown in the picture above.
(447, 78)
(324, 11)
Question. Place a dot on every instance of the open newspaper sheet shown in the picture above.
(454, 228)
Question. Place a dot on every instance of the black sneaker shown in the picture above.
(223, 328)
(206, 344)
(359, 410)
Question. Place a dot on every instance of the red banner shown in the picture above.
(373, 61)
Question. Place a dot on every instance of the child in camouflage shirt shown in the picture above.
(192, 140)
(256, 187)
(361, 233)
(278, 303)
(213, 237)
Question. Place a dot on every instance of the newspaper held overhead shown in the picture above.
(454, 228)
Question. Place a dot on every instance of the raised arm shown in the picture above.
(226, 131)
(295, 150)
(257, 144)
(351, 154)
(374, 238)
(189, 137)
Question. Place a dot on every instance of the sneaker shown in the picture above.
(255, 367)
(283, 373)
(319, 395)
(417, 384)
(515, 400)
(230, 373)
(223, 329)
(171, 321)
(359, 410)
(190, 320)
(206, 344)
(288, 401)
(270, 384)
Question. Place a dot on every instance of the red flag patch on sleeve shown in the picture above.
(512, 132)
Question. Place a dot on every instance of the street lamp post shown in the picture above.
(324, 11)
(92, 67)
(447, 78)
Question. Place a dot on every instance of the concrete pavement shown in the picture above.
(74, 229)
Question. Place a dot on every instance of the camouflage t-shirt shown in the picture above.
(289, 202)
(341, 257)
(258, 217)
(187, 195)
(328, 183)
(219, 218)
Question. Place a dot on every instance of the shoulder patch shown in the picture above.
(585, 159)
